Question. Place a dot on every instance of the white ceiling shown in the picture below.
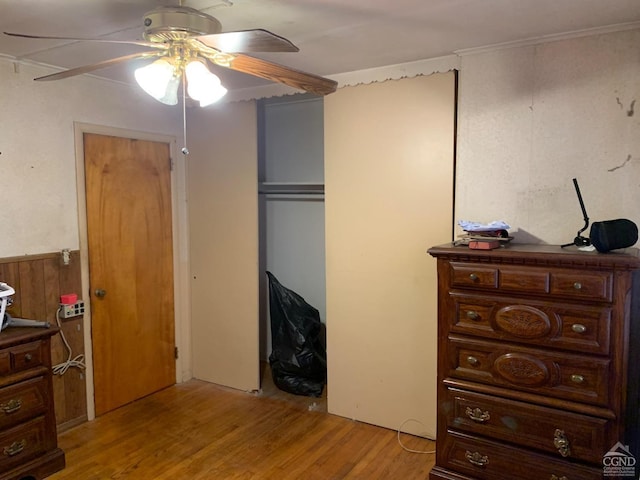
(334, 36)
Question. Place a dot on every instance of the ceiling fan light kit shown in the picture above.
(161, 80)
(180, 35)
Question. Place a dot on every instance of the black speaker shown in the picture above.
(613, 234)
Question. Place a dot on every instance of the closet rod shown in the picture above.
(292, 189)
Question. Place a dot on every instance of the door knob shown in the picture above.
(100, 292)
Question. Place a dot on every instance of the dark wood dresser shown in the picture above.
(538, 363)
(28, 437)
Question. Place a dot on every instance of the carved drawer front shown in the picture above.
(21, 443)
(572, 377)
(561, 434)
(584, 329)
(487, 460)
(24, 357)
(22, 401)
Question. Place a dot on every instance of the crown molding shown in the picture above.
(556, 37)
(398, 71)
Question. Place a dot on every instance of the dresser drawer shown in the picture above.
(488, 460)
(561, 375)
(584, 329)
(26, 356)
(5, 362)
(22, 401)
(562, 434)
(593, 285)
(22, 443)
(474, 276)
(590, 286)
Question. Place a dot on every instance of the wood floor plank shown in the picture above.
(202, 431)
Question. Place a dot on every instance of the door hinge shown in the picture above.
(175, 352)
(171, 164)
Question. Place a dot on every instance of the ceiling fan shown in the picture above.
(183, 40)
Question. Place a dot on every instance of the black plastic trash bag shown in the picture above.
(298, 356)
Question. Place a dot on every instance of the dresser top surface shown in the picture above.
(15, 335)
(536, 254)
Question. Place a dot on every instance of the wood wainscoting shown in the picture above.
(39, 280)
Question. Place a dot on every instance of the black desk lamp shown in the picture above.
(580, 241)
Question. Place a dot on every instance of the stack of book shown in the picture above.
(483, 239)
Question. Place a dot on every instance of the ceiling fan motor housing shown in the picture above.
(177, 23)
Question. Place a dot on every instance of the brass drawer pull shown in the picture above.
(473, 361)
(11, 406)
(473, 277)
(561, 442)
(577, 378)
(577, 286)
(578, 328)
(473, 315)
(15, 448)
(477, 415)
(554, 477)
(28, 357)
(476, 458)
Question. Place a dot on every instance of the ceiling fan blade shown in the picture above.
(161, 46)
(279, 73)
(97, 66)
(257, 40)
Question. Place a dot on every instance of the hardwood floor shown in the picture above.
(197, 430)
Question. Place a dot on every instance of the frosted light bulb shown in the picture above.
(202, 85)
(159, 80)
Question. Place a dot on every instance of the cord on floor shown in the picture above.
(400, 441)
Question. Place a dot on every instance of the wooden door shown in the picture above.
(128, 191)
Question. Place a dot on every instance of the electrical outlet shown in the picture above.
(74, 310)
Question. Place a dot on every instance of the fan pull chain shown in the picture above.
(185, 150)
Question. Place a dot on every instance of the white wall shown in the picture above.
(37, 151)
(534, 117)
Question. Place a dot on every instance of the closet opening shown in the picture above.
(291, 214)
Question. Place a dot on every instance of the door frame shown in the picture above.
(181, 283)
